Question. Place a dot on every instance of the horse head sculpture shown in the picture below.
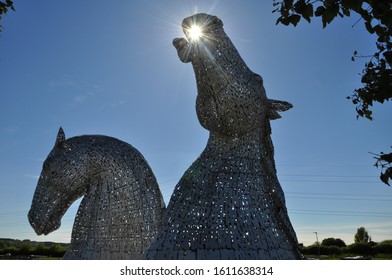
(229, 203)
(231, 98)
(122, 205)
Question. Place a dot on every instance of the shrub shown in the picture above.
(361, 248)
(333, 242)
(383, 248)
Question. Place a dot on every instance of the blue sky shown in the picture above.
(99, 67)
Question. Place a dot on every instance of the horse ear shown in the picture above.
(280, 105)
(60, 138)
(276, 106)
(218, 21)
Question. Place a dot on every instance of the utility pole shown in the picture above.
(318, 245)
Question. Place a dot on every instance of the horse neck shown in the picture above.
(250, 144)
(254, 147)
(102, 204)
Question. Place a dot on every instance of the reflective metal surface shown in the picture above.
(229, 203)
(122, 205)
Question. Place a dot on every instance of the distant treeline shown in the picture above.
(335, 248)
(26, 249)
(369, 249)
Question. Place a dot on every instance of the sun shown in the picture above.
(195, 32)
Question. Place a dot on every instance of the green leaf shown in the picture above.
(354, 5)
(386, 157)
(384, 178)
(283, 20)
(288, 4)
(388, 57)
(319, 11)
(300, 6)
(308, 12)
(285, 7)
(294, 19)
(10, 4)
(346, 11)
(275, 3)
(330, 14)
(369, 27)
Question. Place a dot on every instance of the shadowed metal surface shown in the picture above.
(122, 205)
(229, 203)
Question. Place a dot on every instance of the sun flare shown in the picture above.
(195, 32)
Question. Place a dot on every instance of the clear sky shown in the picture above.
(109, 67)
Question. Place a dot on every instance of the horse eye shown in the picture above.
(45, 166)
(259, 78)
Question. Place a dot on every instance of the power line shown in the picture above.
(308, 195)
(338, 194)
(343, 212)
(18, 213)
(337, 215)
(328, 176)
(332, 181)
(166, 181)
(338, 198)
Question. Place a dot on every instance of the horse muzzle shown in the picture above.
(42, 225)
